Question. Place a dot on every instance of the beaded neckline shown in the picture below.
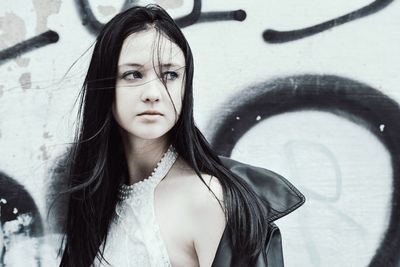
(164, 164)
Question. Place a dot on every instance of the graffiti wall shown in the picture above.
(308, 89)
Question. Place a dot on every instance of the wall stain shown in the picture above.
(13, 30)
(169, 4)
(106, 10)
(25, 80)
(45, 8)
(45, 154)
(22, 61)
(47, 135)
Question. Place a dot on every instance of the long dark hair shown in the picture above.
(96, 162)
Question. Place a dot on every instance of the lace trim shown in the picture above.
(164, 164)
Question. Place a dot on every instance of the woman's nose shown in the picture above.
(152, 91)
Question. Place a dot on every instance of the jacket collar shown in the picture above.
(277, 194)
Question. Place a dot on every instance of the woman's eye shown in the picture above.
(132, 75)
(170, 75)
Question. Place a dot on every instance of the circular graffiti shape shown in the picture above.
(19, 220)
(347, 98)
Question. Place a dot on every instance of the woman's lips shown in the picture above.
(150, 117)
(150, 112)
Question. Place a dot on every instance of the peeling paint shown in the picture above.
(45, 8)
(45, 155)
(13, 28)
(106, 10)
(47, 135)
(22, 61)
(169, 4)
(25, 80)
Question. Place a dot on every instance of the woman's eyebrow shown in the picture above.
(131, 65)
(163, 65)
(173, 65)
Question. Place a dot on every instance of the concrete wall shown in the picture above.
(308, 89)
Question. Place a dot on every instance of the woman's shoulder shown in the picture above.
(200, 211)
(184, 180)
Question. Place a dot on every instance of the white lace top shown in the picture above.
(134, 239)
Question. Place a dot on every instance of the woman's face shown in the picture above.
(144, 58)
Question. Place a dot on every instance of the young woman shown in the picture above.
(145, 187)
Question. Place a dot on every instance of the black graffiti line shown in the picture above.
(90, 21)
(87, 16)
(273, 36)
(192, 17)
(94, 25)
(36, 42)
(238, 15)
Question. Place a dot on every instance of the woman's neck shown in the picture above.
(142, 155)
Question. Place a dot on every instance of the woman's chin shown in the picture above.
(149, 135)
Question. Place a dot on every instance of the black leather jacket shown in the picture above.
(280, 198)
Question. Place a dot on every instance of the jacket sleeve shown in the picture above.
(271, 256)
(273, 248)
